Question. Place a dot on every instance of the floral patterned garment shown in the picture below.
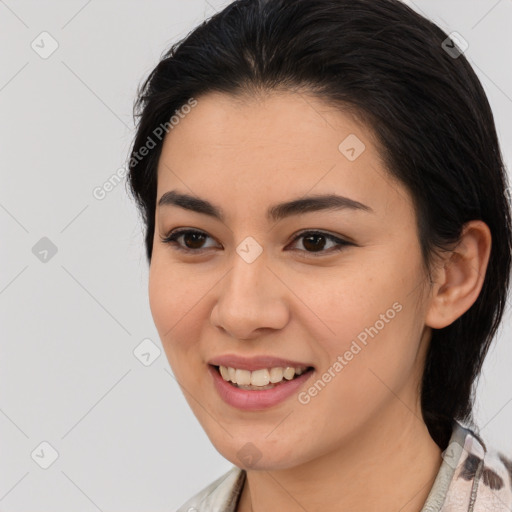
(472, 478)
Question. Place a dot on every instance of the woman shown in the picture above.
(328, 231)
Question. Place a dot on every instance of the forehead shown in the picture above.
(243, 150)
(284, 125)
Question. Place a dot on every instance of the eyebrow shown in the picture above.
(274, 213)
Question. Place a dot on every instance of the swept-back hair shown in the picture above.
(416, 91)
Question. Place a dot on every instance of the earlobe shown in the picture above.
(460, 281)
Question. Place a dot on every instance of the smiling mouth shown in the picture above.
(259, 380)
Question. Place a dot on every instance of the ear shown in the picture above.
(459, 281)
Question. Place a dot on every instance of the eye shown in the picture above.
(314, 241)
(194, 240)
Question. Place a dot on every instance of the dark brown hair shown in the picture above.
(423, 101)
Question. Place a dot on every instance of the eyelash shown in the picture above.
(171, 239)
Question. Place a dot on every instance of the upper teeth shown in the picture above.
(259, 377)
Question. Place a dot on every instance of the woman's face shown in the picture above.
(250, 286)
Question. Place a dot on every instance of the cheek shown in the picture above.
(345, 302)
(381, 355)
(170, 308)
(373, 332)
(178, 305)
(161, 301)
(171, 295)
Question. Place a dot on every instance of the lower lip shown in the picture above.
(256, 400)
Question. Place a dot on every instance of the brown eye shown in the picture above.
(315, 242)
(193, 240)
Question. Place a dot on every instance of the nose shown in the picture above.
(251, 300)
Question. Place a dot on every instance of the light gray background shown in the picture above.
(124, 433)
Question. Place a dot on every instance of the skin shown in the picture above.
(361, 443)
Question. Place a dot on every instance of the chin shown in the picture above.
(252, 455)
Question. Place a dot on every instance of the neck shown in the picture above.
(390, 464)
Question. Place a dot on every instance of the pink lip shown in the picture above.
(256, 400)
(254, 363)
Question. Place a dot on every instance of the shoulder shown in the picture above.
(482, 480)
(494, 474)
(219, 496)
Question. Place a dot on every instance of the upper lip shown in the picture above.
(255, 362)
